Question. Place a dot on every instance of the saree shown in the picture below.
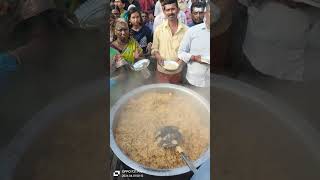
(128, 52)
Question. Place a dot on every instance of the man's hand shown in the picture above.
(196, 58)
(180, 62)
(159, 59)
(149, 47)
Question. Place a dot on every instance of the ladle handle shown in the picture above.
(188, 162)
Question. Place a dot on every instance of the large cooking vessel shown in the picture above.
(201, 102)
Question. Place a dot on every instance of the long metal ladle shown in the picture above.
(169, 137)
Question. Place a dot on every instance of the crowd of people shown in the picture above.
(163, 30)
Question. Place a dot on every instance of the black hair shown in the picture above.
(130, 12)
(123, 1)
(165, 2)
(145, 12)
(198, 5)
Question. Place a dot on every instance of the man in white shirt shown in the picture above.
(160, 18)
(195, 52)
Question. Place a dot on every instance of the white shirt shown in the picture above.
(196, 41)
(157, 9)
(278, 40)
(161, 17)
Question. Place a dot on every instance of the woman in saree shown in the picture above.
(129, 48)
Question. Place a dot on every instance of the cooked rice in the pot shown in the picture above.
(140, 119)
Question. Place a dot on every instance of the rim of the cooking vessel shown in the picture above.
(134, 165)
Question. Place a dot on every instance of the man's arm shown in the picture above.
(184, 49)
(159, 58)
